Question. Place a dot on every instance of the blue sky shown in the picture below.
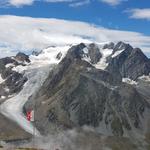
(117, 17)
(96, 12)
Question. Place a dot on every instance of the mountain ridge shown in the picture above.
(84, 87)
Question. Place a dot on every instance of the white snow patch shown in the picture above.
(102, 64)
(3, 97)
(9, 65)
(48, 56)
(145, 78)
(89, 69)
(117, 53)
(20, 68)
(85, 50)
(85, 55)
(36, 72)
(1, 79)
(86, 58)
(129, 81)
(6, 89)
(9, 96)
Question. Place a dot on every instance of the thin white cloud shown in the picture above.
(80, 3)
(72, 3)
(27, 34)
(15, 3)
(56, 1)
(139, 13)
(19, 3)
(112, 2)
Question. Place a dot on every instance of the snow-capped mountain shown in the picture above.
(103, 86)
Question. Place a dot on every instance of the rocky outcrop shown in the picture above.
(109, 46)
(94, 53)
(130, 63)
(59, 55)
(13, 81)
(22, 57)
(4, 62)
(121, 46)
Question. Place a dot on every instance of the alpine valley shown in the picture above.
(86, 96)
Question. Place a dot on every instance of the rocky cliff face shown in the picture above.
(131, 62)
(77, 94)
(11, 84)
(12, 80)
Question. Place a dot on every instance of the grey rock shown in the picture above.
(121, 46)
(22, 57)
(36, 53)
(94, 53)
(4, 62)
(14, 81)
(131, 63)
(109, 46)
(59, 55)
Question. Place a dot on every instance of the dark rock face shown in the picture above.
(5, 61)
(76, 51)
(14, 81)
(94, 53)
(121, 46)
(22, 57)
(77, 94)
(59, 55)
(36, 53)
(109, 46)
(131, 63)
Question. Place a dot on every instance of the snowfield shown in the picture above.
(102, 64)
(1, 79)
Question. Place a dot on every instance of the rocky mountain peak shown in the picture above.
(138, 53)
(22, 57)
(76, 51)
(36, 53)
(131, 62)
(109, 46)
(94, 53)
(122, 46)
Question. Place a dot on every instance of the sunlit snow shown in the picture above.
(129, 81)
(1, 79)
(117, 53)
(102, 64)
